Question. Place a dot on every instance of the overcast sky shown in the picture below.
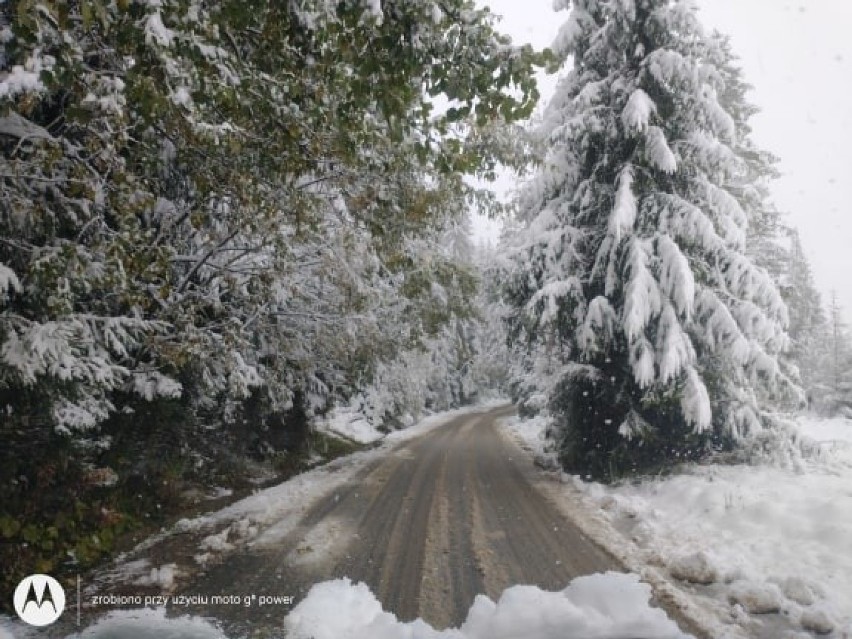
(798, 57)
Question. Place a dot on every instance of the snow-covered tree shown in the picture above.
(834, 380)
(808, 328)
(650, 331)
(207, 194)
(493, 359)
(216, 219)
(452, 360)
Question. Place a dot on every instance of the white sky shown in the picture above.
(798, 57)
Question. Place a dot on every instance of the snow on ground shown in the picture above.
(531, 434)
(746, 539)
(838, 429)
(350, 423)
(162, 577)
(603, 606)
(6, 628)
(269, 515)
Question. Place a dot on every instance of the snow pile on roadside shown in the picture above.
(531, 434)
(163, 577)
(350, 423)
(762, 539)
(604, 606)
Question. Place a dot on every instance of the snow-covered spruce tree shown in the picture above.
(648, 330)
(834, 381)
(809, 328)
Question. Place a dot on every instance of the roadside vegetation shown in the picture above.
(216, 222)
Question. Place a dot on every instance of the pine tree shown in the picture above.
(649, 328)
(836, 378)
(808, 328)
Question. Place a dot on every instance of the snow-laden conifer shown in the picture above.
(633, 262)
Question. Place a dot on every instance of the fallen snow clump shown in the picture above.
(603, 606)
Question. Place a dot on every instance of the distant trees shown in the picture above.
(648, 330)
(218, 218)
(808, 326)
(820, 342)
(833, 387)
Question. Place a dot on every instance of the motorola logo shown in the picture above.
(39, 600)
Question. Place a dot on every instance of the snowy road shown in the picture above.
(441, 518)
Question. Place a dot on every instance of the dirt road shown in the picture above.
(445, 516)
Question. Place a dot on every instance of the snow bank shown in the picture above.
(531, 435)
(764, 539)
(350, 423)
(603, 606)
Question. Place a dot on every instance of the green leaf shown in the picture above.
(31, 533)
(9, 527)
(87, 13)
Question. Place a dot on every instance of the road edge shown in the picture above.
(678, 604)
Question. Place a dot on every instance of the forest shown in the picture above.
(221, 220)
